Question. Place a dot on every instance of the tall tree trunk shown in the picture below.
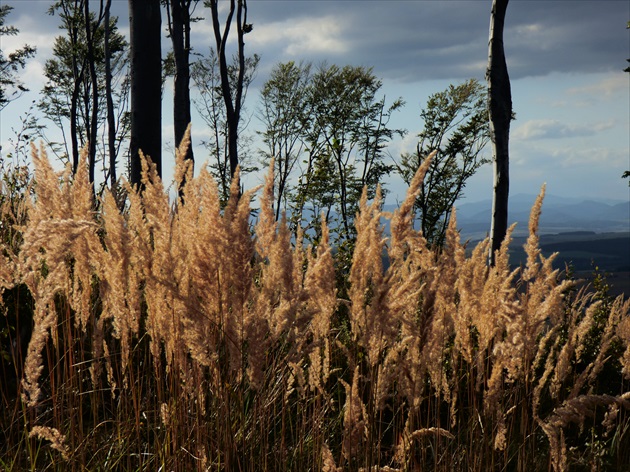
(111, 119)
(179, 28)
(232, 98)
(500, 114)
(93, 117)
(146, 85)
(77, 76)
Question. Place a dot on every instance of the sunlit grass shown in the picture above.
(173, 337)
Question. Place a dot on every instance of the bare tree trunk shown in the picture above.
(146, 85)
(179, 28)
(111, 120)
(74, 105)
(93, 118)
(231, 97)
(77, 73)
(500, 114)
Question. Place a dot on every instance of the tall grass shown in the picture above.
(174, 336)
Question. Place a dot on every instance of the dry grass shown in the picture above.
(174, 336)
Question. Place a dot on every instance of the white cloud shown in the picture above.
(555, 129)
(592, 157)
(302, 36)
(607, 88)
(531, 29)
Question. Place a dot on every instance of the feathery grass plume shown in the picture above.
(55, 239)
(613, 412)
(402, 232)
(237, 274)
(328, 461)
(411, 269)
(499, 314)
(623, 331)
(553, 335)
(208, 252)
(541, 303)
(376, 468)
(354, 418)
(578, 329)
(444, 309)
(321, 301)
(575, 410)
(410, 259)
(120, 282)
(162, 322)
(279, 294)
(7, 269)
(183, 167)
(470, 284)
(57, 440)
(532, 248)
(369, 321)
(87, 247)
(407, 438)
(44, 321)
(619, 310)
(462, 320)
(264, 322)
(8, 215)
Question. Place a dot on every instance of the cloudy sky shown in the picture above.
(565, 59)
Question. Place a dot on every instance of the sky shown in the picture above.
(565, 59)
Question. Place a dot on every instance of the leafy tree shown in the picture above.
(284, 112)
(76, 94)
(210, 104)
(346, 139)
(456, 126)
(11, 87)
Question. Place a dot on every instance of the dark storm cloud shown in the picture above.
(415, 40)
(411, 40)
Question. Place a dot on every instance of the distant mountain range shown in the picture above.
(559, 215)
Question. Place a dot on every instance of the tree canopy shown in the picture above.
(11, 86)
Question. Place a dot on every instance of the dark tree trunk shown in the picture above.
(179, 28)
(111, 120)
(232, 98)
(500, 114)
(77, 72)
(74, 139)
(146, 85)
(93, 117)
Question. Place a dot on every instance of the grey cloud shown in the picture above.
(416, 40)
(421, 40)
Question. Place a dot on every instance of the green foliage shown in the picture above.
(333, 126)
(349, 123)
(11, 87)
(284, 112)
(67, 95)
(456, 125)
